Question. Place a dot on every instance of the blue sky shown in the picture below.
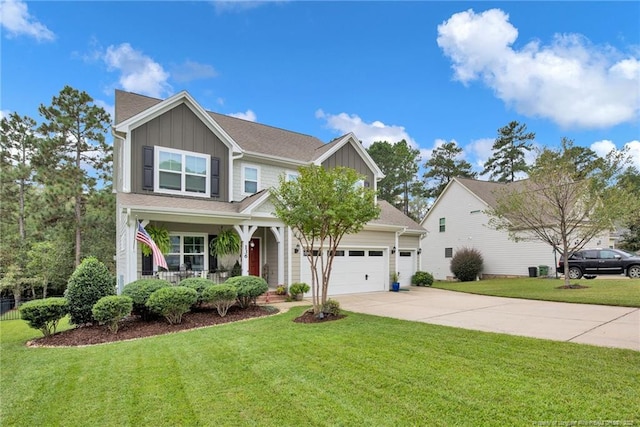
(427, 72)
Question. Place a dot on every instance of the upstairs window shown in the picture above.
(442, 225)
(182, 172)
(250, 182)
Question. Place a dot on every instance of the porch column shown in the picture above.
(245, 232)
(278, 233)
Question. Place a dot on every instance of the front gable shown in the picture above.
(349, 152)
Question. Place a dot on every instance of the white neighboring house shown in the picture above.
(458, 219)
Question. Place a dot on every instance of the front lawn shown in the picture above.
(621, 292)
(361, 370)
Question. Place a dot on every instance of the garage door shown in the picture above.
(406, 266)
(354, 271)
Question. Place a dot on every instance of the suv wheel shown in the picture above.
(576, 273)
(634, 272)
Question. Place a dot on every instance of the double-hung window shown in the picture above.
(250, 179)
(442, 225)
(187, 252)
(182, 172)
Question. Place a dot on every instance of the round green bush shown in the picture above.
(88, 283)
(222, 297)
(466, 264)
(331, 307)
(140, 291)
(249, 288)
(422, 278)
(172, 302)
(44, 314)
(110, 310)
(197, 283)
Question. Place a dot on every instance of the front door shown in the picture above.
(254, 257)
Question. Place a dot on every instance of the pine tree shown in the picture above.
(75, 155)
(509, 149)
(443, 166)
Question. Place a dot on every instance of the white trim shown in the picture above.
(156, 172)
(244, 166)
(126, 162)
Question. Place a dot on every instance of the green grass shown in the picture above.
(621, 292)
(361, 370)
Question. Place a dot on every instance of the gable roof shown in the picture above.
(390, 215)
(485, 191)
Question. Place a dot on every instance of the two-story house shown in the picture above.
(196, 172)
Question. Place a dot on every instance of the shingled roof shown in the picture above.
(487, 190)
(250, 136)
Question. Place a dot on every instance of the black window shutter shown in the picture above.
(215, 177)
(147, 265)
(147, 167)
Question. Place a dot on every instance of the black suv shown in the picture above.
(592, 262)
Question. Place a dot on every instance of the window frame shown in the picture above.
(182, 253)
(442, 226)
(448, 252)
(243, 179)
(288, 174)
(183, 174)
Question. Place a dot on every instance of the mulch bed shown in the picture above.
(572, 286)
(133, 327)
(309, 317)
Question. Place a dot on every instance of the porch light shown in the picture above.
(393, 250)
(419, 251)
(296, 249)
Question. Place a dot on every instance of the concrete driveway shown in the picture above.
(579, 323)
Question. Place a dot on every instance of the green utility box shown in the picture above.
(543, 270)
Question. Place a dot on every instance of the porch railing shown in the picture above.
(176, 276)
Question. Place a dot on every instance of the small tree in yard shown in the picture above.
(322, 206)
(569, 199)
(44, 314)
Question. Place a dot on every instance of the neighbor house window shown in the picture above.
(182, 172)
(442, 227)
(250, 180)
(448, 252)
(291, 176)
(187, 252)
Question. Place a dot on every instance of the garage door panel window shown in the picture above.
(375, 253)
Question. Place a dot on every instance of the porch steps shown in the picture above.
(270, 297)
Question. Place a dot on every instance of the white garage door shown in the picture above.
(406, 266)
(354, 271)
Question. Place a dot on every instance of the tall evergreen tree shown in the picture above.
(399, 163)
(17, 148)
(443, 166)
(509, 149)
(75, 154)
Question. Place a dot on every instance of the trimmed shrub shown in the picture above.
(44, 314)
(249, 288)
(88, 283)
(422, 278)
(331, 307)
(198, 284)
(110, 310)
(466, 264)
(221, 297)
(172, 302)
(140, 290)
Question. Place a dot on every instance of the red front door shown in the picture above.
(254, 257)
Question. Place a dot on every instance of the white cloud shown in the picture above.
(605, 146)
(4, 113)
(16, 20)
(569, 81)
(191, 70)
(139, 73)
(368, 133)
(247, 115)
(479, 151)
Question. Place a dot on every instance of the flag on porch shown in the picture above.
(143, 236)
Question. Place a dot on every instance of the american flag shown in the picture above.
(143, 236)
